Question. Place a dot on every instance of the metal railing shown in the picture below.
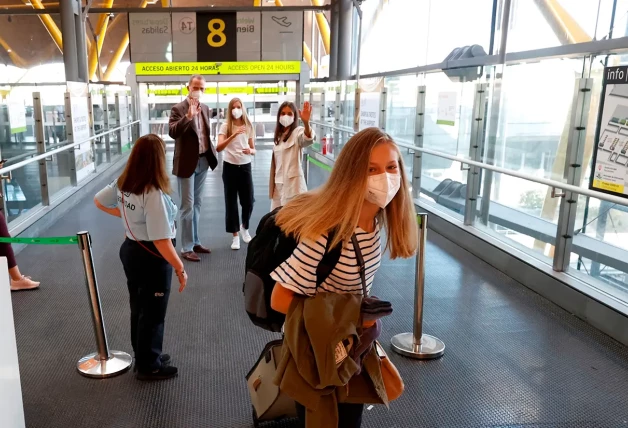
(550, 183)
(63, 148)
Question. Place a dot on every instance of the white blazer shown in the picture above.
(292, 171)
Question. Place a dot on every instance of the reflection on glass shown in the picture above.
(22, 192)
(531, 137)
(401, 107)
(401, 113)
(600, 246)
(448, 115)
(443, 182)
(348, 103)
(517, 216)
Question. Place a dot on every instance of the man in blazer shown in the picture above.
(194, 154)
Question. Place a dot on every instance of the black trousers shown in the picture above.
(148, 279)
(349, 415)
(238, 182)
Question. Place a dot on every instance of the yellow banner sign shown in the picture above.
(605, 185)
(223, 90)
(228, 68)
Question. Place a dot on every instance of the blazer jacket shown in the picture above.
(186, 140)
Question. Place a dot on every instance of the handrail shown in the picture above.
(512, 173)
(30, 153)
(62, 149)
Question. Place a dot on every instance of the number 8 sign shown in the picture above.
(216, 37)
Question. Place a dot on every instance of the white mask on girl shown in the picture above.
(382, 188)
(237, 113)
(286, 120)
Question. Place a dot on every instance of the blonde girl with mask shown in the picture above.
(366, 191)
(286, 173)
(236, 139)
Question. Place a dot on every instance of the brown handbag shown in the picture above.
(392, 379)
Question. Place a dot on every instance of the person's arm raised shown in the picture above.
(178, 123)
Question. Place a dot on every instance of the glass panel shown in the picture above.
(401, 107)
(401, 113)
(23, 191)
(443, 182)
(161, 98)
(620, 26)
(59, 165)
(448, 132)
(536, 24)
(426, 26)
(534, 110)
(516, 214)
(600, 247)
(100, 152)
(348, 104)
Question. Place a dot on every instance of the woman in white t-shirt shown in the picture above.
(286, 173)
(235, 138)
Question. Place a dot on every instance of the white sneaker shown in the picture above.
(235, 244)
(246, 237)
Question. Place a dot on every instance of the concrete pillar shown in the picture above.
(81, 45)
(345, 33)
(68, 31)
(334, 29)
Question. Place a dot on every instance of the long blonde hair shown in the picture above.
(230, 119)
(337, 204)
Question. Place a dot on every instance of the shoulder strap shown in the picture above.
(131, 232)
(358, 256)
(329, 260)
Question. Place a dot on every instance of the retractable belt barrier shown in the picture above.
(60, 240)
(416, 344)
(105, 362)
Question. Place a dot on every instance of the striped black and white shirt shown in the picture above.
(298, 272)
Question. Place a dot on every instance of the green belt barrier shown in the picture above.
(59, 240)
(318, 164)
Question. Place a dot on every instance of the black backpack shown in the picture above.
(267, 250)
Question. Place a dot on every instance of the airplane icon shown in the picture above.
(282, 21)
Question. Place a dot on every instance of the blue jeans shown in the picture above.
(191, 193)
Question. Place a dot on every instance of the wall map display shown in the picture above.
(610, 159)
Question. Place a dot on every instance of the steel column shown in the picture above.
(475, 152)
(419, 124)
(118, 123)
(345, 26)
(68, 29)
(105, 108)
(383, 100)
(71, 157)
(573, 172)
(40, 139)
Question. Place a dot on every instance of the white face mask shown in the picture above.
(286, 120)
(237, 113)
(382, 188)
(196, 94)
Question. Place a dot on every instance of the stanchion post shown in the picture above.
(416, 344)
(104, 363)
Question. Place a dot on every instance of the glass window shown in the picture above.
(600, 247)
(407, 33)
(543, 24)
